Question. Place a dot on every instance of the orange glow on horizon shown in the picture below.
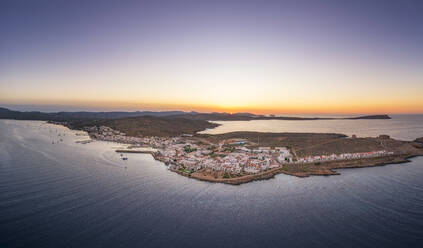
(365, 107)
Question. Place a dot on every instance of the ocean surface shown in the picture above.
(74, 195)
(404, 127)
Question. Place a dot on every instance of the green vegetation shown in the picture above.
(228, 148)
(227, 175)
(185, 170)
(189, 149)
(293, 140)
(146, 125)
(309, 144)
(214, 155)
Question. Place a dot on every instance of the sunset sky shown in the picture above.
(256, 56)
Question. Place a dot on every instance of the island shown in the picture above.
(236, 157)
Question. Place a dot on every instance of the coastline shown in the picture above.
(302, 170)
(323, 171)
(327, 168)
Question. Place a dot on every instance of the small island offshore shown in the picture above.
(235, 157)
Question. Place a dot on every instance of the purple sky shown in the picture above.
(71, 43)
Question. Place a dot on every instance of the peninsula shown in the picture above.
(236, 157)
(241, 157)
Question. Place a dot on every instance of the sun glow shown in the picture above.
(279, 66)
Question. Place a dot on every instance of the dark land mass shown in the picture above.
(370, 117)
(290, 140)
(66, 116)
(146, 125)
(315, 144)
(249, 117)
(175, 123)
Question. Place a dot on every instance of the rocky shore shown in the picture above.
(323, 169)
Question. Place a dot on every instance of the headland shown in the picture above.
(241, 157)
(235, 157)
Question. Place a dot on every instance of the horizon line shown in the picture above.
(51, 108)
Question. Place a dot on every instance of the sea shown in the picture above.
(403, 127)
(55, 192)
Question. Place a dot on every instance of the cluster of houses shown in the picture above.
(108, 134)
(190, 157)
(186, 154)
(344, 156)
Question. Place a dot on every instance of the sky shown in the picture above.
(233, 56)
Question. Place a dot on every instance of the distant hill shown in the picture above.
(17, 115)
(217, 116)
(371, 117)
(149, 123)
(249, 117)
(66, 116)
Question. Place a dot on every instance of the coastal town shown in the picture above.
(186, 154)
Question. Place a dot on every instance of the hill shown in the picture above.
(65, 116)
(147, 125)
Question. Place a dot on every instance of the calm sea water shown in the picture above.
(405, 127)
(75, 195)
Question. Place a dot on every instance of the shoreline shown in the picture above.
(327, 168)
(302, 170)
(324, 171)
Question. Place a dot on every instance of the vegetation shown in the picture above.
(189, 149)
(66, 116)
(147, 125)
(228, 148)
